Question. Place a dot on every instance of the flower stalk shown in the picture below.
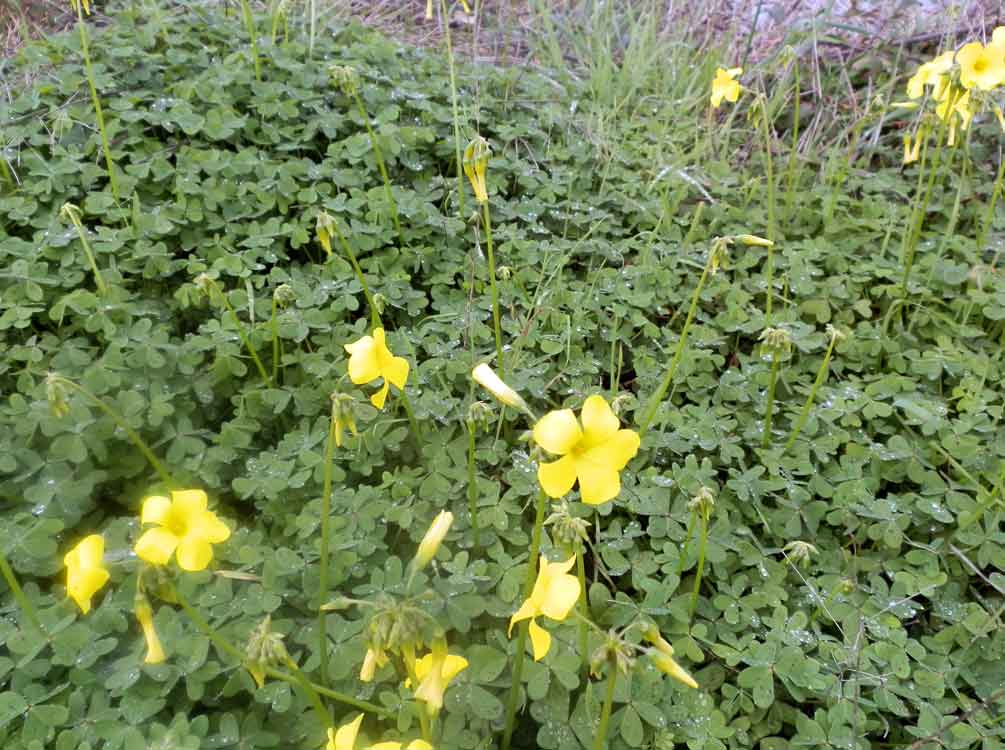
(30, 613)
(72, 212)
(496, 325)
(326, 499)
(605, 711)
(210, 286)
(821, 376)
(347, 249)
(98, 113)
(249, 25)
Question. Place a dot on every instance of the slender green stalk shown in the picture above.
(770, 405)
(769, 268)
(687, 543)
(657, 397)
(412, 422)
(521, 640)
(249, 25)
(487, 223)
(313, 10)
(990, 209)
(699, 570)
(374, 312)
(5, 172)
(98, 113)
(453, 101)
(381, 165)
(584, 607)
(312, 695)
(243, 334)
(605, 712)
(790, 167)
(473, 483)
(30, 613)
(73, 214)
(326, 502)
(276, 353)
(158, 467)
(804, 415)
(298, 679)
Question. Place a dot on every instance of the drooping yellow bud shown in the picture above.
(434, 537)
(476, 160)
(752, 239)
(145, 616)
(487, 379)
(666, 664)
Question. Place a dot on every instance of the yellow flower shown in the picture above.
(369, 359)
(371, 662)
(75, 4)
(183, 525)
(981, 67)
(434, 537)
(913, 152)
(594, 454)
(85, 570)
(487, 379)
(145, 616)
(434, 671)
(662, 656)
(475, 162)
(725, 86)
(413, 745)
(344, 738)
(324, 228)
(554, 595)
(931, 73)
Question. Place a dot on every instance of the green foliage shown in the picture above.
(890, 633)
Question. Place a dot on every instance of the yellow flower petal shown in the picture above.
(364, 366)
(527, 609)
(558, 431)
(563, 593)
(189, 503)
(344, 738)
(540, 639)
(156, 546)
(194, 553)
(619, 449)
(599, 422)
(155, 509)
(396, 370)
(557, 477)
(598, 482)
(85, 571)
(380, 396)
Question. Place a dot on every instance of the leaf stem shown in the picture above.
(98, 113)
(473, 483)
(497, 327)
(326, 498)
(30, 613)
(770, 405)
(347, 249)
(381, 165)
(805, 413)
(453, 101)
(605, 712)
(243, 334)
(73, 213)
(702, 542)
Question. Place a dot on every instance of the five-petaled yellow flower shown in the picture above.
(85, 570)
(555, 594)
(725, 86)
(593, 454)
(344, 738)
(981, 67)
(434, 671)
(369, 359)
(185, 526)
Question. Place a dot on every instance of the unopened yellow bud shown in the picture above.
(431, 541)
(324, 228)
(753, 239)
(666, 664)
(145, 616)
(476, 160)
(487, 379)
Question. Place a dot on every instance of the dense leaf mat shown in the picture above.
(889, 631)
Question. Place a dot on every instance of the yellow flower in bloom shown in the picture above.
(434, 672)
(931, 73)
(434, 537)
(475, 162)
(981, 67)
(371, 662)
(554, 595)
(725, 86)
(593, 454)
(413, 745)
(185, 526)
(369, 359)
(145, 616)
(85, 570)
(344, 738)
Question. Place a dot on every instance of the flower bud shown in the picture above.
(666, 664)
(324, 228)
(264, 649)
(284, 295)
(751, 239)
(346, 78)
(431, 541)
(145, 616)
(476, 160)
(55, 393)
(487, 379)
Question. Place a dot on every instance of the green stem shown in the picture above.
(243, 335)
(687, 543)
(497, 327)
(313, 31)
(158, 467)
(473, 484)
(298, 678)
(605, 713)
(657, 397)
(98, 113)
(30, 613)
(521, 641)
(326, 501)
(5, 172)
(425, 728)
(453, 101)
(702, 541)
(920, 207)
(804, 415)
(379, 156)
(275, 341)
(72, 213)
(584, 606)
(249, 24)
(347, 249)
(790, 167)
(770, 405)
(769, 269)
(411, 420)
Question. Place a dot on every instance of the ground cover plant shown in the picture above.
(356, 396)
